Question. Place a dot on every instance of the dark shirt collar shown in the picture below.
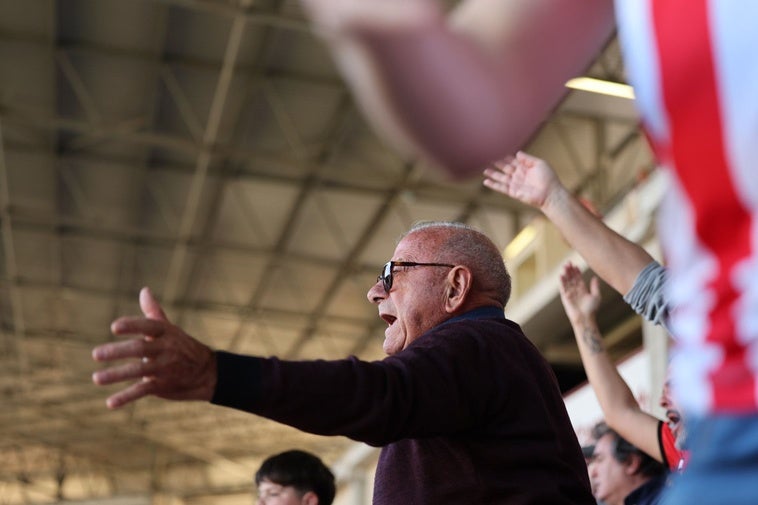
(478, 313)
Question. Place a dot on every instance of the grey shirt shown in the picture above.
(647, 297)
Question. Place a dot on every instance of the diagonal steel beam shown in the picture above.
(189, 218)
(349, 264)
(11, 264)
(243, 11)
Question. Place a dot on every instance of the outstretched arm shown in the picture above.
(465, 89)
(620, 408)
(165, 361)
(531, 180)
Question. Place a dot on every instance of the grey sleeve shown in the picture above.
(647, 296)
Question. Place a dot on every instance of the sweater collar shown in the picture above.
(478, 313)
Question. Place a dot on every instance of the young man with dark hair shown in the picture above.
(294, 478)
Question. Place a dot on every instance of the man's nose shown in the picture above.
(665, 399)
(376, 292)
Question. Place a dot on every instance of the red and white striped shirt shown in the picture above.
(694, 67)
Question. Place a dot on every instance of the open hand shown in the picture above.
(526, 178)
(169, 363)
(579, 302)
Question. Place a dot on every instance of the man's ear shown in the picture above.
(458, 284)
(633, 464)
(309, 498)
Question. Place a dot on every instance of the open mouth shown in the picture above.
(674, 419)
(388, 319)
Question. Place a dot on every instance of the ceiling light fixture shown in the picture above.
(603, 87)
(521, 241)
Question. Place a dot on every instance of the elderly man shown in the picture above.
(465, 408)
(499, 67)
(621, 473)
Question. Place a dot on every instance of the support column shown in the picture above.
(655, 341)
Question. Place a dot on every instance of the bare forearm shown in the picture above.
(455, 100)
(614, 258)
(610, 388)
(620, 408)
(467, 91)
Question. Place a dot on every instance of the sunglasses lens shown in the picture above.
(387, 277)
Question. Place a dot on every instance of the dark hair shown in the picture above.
(301, 470)
(622, 451)
(588, 451)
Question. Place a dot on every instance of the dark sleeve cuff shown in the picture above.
(239, 381)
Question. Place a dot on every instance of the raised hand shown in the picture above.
(165, 361)
(523, 177)
(579, 302)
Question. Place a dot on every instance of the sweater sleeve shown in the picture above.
(436, 386)
(238, 383)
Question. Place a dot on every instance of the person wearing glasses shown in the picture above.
(465, 408)
(420, 70)
(294, 477)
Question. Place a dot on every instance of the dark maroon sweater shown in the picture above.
(469, 413)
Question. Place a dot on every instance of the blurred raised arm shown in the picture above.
(465, 89)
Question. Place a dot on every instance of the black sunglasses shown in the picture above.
(386, 275)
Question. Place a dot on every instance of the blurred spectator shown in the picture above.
(621, 474)
(294, 478)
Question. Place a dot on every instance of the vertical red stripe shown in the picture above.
(690, 95)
